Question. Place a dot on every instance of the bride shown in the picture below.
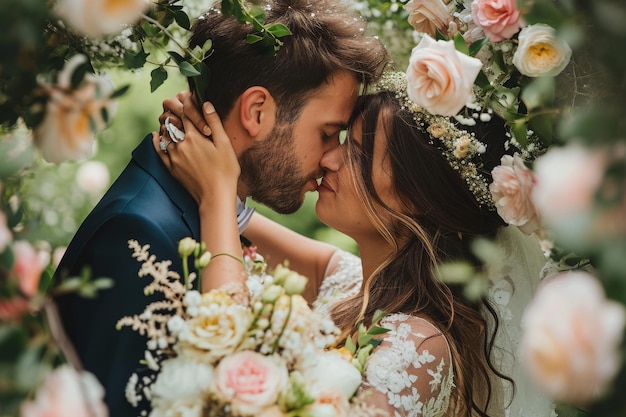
(412, 190)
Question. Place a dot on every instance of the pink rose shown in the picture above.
(27, 267)
(571, 338)
(499, 19)
(13, 308)
(427, 16)
(440, 78)
(249, 381)
(66, 392)
(511, 190)
(566, 181)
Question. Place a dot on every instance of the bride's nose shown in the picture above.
(332, 159)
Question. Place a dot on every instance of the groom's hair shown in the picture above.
(325, 38)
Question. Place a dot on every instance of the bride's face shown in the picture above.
(339, 205)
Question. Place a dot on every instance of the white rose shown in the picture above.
(93, 177)
(427, 16)
(67, 392)
(331, 373)
(73, 116)
(95, 18)
(440, 78)
(540, 53)
(182, 384)
(571, 338)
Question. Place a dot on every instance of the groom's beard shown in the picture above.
(271, 172)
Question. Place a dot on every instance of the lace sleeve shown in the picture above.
(410, 373)
(342, 279)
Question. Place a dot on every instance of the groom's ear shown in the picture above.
(257, 111)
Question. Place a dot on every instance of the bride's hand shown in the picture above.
(182, 104)
(206, 167)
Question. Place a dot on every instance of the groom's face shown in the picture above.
(280, 169)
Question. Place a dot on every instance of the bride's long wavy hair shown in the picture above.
(439, 219)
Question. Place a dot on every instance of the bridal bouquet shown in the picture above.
(215, 354)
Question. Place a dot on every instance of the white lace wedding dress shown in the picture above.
(411, 372)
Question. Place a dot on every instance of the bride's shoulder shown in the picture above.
(407, 326)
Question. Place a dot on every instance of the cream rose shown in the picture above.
(331, 373)
(566, 181)
(216, 330)
(499, 19)
(93, 177)
(427, 16)
(512, 193)
(540, 53)
(72, 116)
(67, 392)
(249, 381)
(571, 338)
(96, 18)
(440, 78)
(181, 387)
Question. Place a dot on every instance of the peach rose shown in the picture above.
(427, 16)
(95, 18)
(27, 267)
(499, 19)
(67, 392)
(571, 338)
(73, 116)
(540, 53)
(440, 78)
(511, 190)
(566, 181)
(249, 381)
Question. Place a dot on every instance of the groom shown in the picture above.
(281, 112)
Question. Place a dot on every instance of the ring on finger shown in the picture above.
(175, 133)
(163, 144)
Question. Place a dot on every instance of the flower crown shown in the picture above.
(459, 147)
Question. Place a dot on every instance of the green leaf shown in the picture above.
(252, 39)
(134, 61)
(79, 74)
(476, 46)
(258, 13)
(459, 44)
(364, 339)
(178, 58)
(120, 91)
(543, 126)
(350, 345)
(520, 132)
(278, 29)
(157, 77)
(187, 69)
(539, 93)
(182, 19)
(374, 330)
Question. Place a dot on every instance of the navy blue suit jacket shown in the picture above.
(147, 204)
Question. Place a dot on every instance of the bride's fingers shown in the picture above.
(156, 141)
(193, 113)
(215, 124)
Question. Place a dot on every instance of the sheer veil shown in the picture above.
(512, 284)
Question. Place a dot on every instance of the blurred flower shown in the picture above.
(93, 177)
(571, 338)
(73, 116)
(95, 18)
(180, 387)
(13, 308)
(440, 78)
(540, 53)
(27, 267)
(5, 234)
(249, 381)
(67, 392)
(566, 181)
(428, 15)
(331, 404)
(512, 193)
(499, 19)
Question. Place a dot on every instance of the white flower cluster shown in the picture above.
(271, 356)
